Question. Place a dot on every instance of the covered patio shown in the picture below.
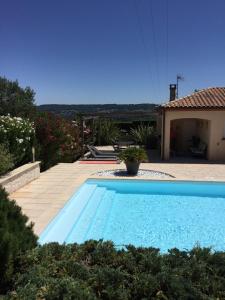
(187, 134)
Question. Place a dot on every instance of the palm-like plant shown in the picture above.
(106, 132)
(143, 135)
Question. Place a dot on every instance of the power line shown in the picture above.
(167, 41)
(145, 47)
(155, 45)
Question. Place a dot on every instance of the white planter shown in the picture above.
(20, 177)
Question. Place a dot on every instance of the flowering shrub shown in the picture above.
(58, 139)
(18, 135)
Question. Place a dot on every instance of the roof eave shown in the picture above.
(194, 108)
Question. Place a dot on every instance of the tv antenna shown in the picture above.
(179, 78)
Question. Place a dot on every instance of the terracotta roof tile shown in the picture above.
(207, 98)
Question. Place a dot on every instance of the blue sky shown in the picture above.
(112, 51)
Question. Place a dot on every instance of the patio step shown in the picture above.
(61, 225)
(86, 216)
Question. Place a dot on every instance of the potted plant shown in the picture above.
(132, 158)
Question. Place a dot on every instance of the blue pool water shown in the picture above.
(143, 213)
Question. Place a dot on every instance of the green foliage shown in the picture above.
(96, 270)
(15, 238)
(18, 135)
(133, 154)
(57, 138)
(6, 160)
(106, 132)
(15, 100)
(144, 135)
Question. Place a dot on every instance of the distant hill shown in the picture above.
(115, 111)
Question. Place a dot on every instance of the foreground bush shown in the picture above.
(96, 270)
(15, 238)
(18, 135)
(6, 160)
(58, 140)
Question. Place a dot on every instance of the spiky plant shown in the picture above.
(107, 132)
(143, 135)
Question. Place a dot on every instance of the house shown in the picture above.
(194, 120)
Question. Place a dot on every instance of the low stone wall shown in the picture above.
(20, 176)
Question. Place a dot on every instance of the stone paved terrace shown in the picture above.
(44, 197)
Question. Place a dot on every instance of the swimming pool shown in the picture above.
(143, 213)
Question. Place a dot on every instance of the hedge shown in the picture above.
(97, 270)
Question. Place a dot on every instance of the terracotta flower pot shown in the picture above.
(132, 167)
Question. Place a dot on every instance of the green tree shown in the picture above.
(15, 100)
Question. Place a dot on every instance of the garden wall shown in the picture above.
(20, 177)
